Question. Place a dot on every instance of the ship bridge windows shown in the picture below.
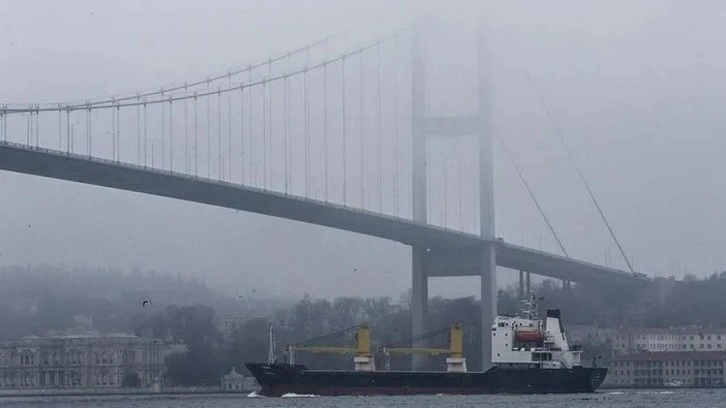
(541, 356)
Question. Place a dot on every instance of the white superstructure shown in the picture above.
(526, 341)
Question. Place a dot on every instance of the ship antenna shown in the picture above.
(271, 347)
(530, 304)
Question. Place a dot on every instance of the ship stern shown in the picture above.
(596, 378)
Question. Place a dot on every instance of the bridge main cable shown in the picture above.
(114, 103)
(163, 90)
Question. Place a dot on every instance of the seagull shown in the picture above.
(145, 302)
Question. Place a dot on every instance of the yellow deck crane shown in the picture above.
(362, 356)
(455, 362)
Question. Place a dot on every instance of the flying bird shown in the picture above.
(145, 302)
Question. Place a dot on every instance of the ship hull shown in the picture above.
(279, 379)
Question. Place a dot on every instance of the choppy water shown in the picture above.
(610, 399)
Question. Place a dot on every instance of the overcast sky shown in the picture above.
(635, 86)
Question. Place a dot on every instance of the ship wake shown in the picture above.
(293, 395)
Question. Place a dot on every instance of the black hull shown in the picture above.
(279, 379)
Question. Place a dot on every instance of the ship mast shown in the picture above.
(271, 347)
(530, 307)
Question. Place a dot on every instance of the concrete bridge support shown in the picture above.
(487, 265)
(528, 287)
(525, 284)
(422, 127)
(419, 284)
(419, 299)
(520, 293)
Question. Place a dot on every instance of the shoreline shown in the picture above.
(118, 393)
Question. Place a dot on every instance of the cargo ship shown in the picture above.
(529, 356)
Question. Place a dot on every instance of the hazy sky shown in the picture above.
(636, 87)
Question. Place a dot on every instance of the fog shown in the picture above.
(635, 87)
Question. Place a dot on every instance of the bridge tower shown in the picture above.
(423, 126)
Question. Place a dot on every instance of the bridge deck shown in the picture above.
(100, 172)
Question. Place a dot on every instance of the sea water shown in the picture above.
(682, 398)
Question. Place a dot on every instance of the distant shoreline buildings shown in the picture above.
(94, 363)
(89, 360)
(660, 357)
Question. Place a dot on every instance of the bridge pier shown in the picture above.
(419, 275)
(419, 300)
(520, 293)
(487, 265)
(525, 284)
(424, 126)
(528, 286)
(488, 271)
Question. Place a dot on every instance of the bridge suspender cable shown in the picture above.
(220, 166)
(325, 131)
(264, 134)
(242, 135)
(510, 157)
(558, 132)
(361, 147)
(379, 113)
(229, 128)
(286, 123)
(344, 133)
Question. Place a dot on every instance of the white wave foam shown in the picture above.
(254, 394)
(293, 395)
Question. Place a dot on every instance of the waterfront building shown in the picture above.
(81, 361)
(234, 381)
(631, 341)
(664, 369)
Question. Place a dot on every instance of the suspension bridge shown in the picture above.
(335, 141)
